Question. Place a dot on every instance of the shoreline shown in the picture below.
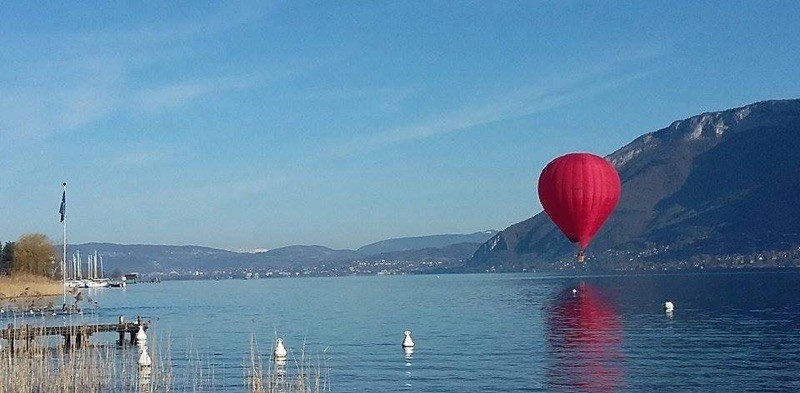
(25, 286)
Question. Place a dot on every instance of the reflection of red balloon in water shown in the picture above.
(579, 191)
(585, 335)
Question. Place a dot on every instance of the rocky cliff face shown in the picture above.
(716, 183)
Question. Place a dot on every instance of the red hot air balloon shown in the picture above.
(579, 191)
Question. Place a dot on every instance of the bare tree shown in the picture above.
(34, 253)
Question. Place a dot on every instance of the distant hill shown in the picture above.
(146, 258)
(165, 258)
(296, 256)
(714, 184)
(452, 252)
(424, 242)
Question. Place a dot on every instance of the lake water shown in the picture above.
(501, 332)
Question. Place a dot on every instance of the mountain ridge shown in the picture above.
(150, 257)
(422, 242)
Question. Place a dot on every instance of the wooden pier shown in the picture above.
(80, 332)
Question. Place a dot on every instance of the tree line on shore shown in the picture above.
(32, 253)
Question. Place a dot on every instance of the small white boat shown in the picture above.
(94, 284)
(73, 284)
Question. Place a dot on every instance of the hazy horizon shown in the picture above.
(59, 243)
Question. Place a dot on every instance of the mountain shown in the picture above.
(444, 249)
(713, 185)
(450, 252)
(145, 257)
(423, 242)
(296, 256)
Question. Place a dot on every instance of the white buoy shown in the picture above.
(145, 369)
(574, 291)
(408, 342)
(280, 350)
(144, 359)
(141, 337)
(668, 306)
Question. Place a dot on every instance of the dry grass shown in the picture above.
(38, 367)
(295, 375)
(28, 285)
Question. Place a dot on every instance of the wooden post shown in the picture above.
(11, 337)
(67, 341)
(82, 337)
(133, 337)
(28, 334)
(121, 330)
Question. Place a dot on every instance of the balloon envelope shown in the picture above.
(579, 191)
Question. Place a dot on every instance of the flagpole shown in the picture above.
(64, 256)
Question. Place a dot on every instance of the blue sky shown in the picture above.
(260, 125)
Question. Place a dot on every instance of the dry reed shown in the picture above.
(38, 366)
(28, 285)
(278, 377)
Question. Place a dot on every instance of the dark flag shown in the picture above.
(63, 208)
